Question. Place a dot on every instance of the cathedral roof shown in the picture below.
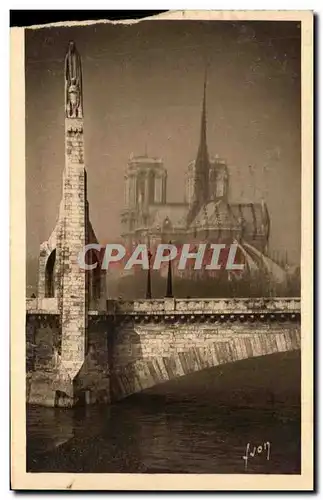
(253, 216)
(216, 214)
(172, 215)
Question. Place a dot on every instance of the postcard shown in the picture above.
(161, 253)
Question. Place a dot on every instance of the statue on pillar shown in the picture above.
(73, 83)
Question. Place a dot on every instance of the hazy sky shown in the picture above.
(143, 87)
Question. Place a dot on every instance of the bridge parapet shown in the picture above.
(42, 305)
(224, 308)
(262, 305)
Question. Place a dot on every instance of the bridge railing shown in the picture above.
(181, 306)
(204, 306)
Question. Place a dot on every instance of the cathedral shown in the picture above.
(206, 215)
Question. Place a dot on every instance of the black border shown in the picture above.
(21, 18)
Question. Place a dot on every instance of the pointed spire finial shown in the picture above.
(203, 141)
(205, 79)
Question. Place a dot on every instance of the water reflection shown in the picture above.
(197, 425)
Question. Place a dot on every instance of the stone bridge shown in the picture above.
(136, 345)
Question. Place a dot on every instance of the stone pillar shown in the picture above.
(158, 189)
(164, 188)
(73, 374)
(146, 199)
(73, 296)
(132, 191)
(126, 192)
(41, 273)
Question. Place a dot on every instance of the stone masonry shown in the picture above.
(149, 354)
(159, 340)
(73, 293)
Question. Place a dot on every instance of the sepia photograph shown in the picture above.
(164, 249)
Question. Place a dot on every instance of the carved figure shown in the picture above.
(73, 83)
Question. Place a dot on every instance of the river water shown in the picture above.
(201, 423)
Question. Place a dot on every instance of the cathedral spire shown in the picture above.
(201, 177)
(202, 158)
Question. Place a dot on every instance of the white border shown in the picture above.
(81, 5)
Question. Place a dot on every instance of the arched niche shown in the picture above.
(50, 275)
(94, 257)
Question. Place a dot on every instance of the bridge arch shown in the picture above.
(144, 356)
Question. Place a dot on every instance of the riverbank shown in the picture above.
(199, 423)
